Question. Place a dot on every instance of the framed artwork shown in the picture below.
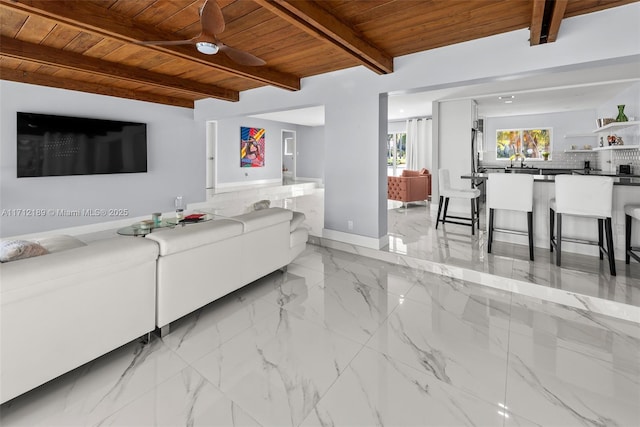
(251, 147)
(530, 143)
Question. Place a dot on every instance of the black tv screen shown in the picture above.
(51, 145)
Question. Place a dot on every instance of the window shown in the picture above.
(396, 153)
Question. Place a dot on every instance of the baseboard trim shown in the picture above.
(355, 239)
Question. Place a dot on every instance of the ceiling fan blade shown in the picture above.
(239, 56)
(211, 18)
(166, 42)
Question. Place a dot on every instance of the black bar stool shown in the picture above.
(631, 212)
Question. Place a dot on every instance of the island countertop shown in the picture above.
(632, 180)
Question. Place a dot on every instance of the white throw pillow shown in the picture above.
(298, 218)
(59, 243)
(12, 250)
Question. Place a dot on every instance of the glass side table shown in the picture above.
(138, 231)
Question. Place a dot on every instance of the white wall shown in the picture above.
(176, 163)
(351, 103)
(228, 160)
(311, 149)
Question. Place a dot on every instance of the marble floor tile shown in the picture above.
(553, 385)
(92, 392)
(434, 340)
(186, 399)
(376, 390)
(278, 369)
(350, 309)
(203, 331)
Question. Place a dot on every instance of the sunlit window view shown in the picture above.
(396, 153)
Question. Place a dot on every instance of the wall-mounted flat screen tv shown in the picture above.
(51, 145)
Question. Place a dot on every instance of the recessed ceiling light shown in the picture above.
(506, 97)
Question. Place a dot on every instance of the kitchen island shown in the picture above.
(626, 190)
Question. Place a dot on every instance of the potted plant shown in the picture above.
(545, 155)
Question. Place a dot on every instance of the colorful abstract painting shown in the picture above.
(514, 144)
(251, 147)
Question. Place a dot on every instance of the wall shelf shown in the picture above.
(617, 125)
(617, 147)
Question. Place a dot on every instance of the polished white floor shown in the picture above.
(341, 339)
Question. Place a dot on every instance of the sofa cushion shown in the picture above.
(424, 171)
(182, 238)
(410, 173)
(263, 218)
(59, 243)
(297, 220)
(99, 256)
(13, 250)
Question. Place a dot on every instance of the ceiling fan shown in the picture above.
(212, 23)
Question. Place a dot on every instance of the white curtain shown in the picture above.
(418, 136)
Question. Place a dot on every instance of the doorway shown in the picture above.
(289, 155)
(212, 146)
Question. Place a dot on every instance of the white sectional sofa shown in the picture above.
(61, 310)
(200, 263)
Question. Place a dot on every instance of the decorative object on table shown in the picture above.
(193, 218)
(621, 116)
(601, 142)
(611, 139)
(545, 155)
(179, 208)
(587, 146)
(527, 143)
(252, 147)
(157, 218)
(146, 224)
(619, 140)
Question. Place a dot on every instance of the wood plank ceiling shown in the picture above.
(93, 45)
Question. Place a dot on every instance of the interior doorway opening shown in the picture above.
(289, 155)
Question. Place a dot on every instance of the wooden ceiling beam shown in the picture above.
(91, 17)
(315, 20)
(40, 54)
(53, 81)
(537, 16)
(545, 20)
(559, 8)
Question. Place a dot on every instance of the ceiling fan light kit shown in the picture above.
(211, 23)
(207, 48)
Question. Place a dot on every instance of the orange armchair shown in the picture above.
(411, 186)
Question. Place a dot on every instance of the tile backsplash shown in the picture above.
(575, 160)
